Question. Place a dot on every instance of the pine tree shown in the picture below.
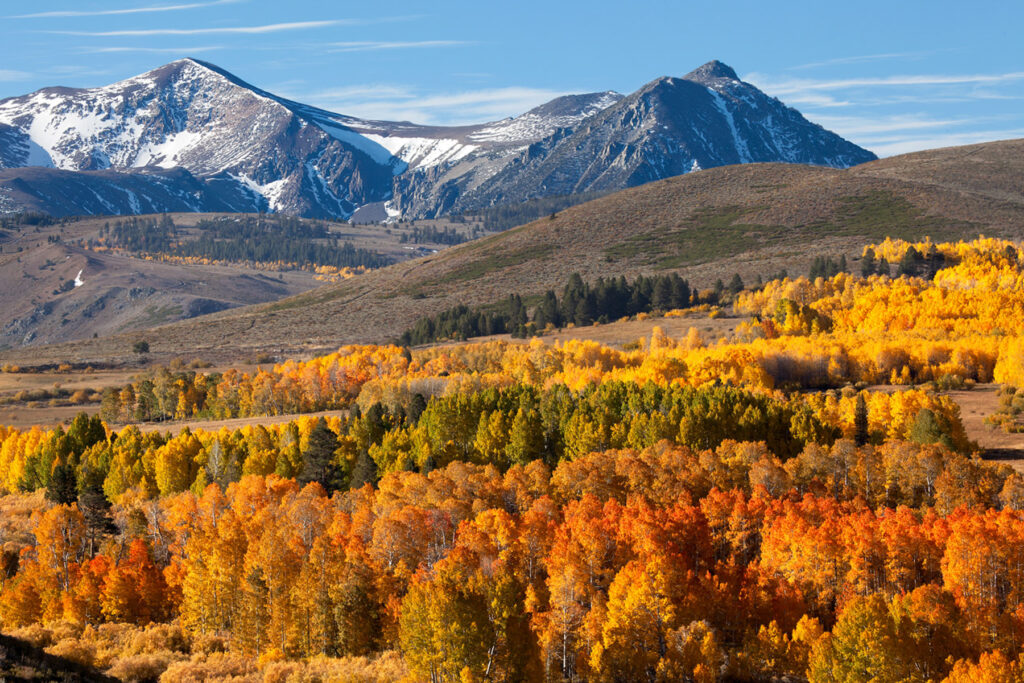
(817, 268)
(719, 289)
(860, 421)
(867, 265)
(364, 472)
(736, 284)
(318, 460)
(911, 262)
(94, 506)
(585, 311)
(661, 299)
(883, 267)
(417, 405)
(62, 488)
(680, 292)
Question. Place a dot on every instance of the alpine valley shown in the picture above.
(191, 137)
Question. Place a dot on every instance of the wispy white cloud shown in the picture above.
(225, 30)
(904, 113)
(369, 45)
(890, 134)
(902, 144)
(131, 10)
(489, 97)
(401, 103)
(76, 70)
(866, 127)
(13, 75)
(155, 50)
(805, 85)
(364, 92)
(814, 99)
(861, 59)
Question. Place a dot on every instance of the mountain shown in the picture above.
(750, 219)
(194, 116)
(243, 147)
(669, 127)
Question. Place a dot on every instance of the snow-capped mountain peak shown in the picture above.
(250, 148)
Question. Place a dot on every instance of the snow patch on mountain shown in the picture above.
(422, 152)
(167, 154)
(269, 191)
(738, 141)
(364, 143)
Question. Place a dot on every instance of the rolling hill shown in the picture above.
(751, 219)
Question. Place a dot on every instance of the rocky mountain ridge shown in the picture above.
(237, 147)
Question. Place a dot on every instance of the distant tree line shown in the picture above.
(914, 263)
(35, 218)
(825, 267)
(261, 239)
(580, 304)
(432, 235)
(499, 218)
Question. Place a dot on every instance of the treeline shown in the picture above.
(259, 239)
(147, 235)
(823, 266)
(433, 235)
(580, 304)
(33, 218)
(923, 263)
(505, 216)
(913, 263)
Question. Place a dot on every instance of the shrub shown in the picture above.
(83, 653)
(217, 666)
(144, 667)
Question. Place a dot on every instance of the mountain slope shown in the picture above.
(108, 192)
(235, 139)
(752, 219)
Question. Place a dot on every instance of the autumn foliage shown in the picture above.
(565, 512)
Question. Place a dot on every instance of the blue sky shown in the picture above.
(892, 76)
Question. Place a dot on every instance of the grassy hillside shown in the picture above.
(752, 219)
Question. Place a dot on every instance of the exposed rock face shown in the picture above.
(151, 190)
